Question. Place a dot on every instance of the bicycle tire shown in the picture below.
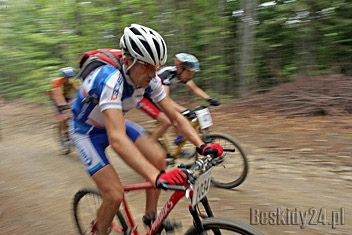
(233, 166)
(85, 205)
(65, 144)
(65, 141)
(225, 227)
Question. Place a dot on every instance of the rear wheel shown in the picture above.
(65, 141)
(232, 167)
(85, 205)
(64, 138)
(223, 226)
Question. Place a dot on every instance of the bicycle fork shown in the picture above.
(196, 216)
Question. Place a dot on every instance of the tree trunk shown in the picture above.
(246, 35)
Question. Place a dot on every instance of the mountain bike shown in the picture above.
(232, 167)
(87, 200)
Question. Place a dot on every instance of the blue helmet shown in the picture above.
(188, 61)
(67, 72)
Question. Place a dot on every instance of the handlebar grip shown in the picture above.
(229, 150)
(185, 166)
(167, 186)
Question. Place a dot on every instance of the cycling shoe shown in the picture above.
(168, 225)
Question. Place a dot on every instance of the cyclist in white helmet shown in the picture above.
(185, 67)
(105, 95)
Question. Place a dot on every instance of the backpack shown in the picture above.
(91, 60)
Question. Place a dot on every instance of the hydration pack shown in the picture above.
(91, 60)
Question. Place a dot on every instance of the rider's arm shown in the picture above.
(178, 107)
(58, 97)
(196, 90)
(179, 122)
(124, 147)
(76, 84)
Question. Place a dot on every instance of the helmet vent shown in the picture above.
(147, 47)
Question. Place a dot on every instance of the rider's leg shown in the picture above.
(152, 110)
(91, 148)
(111, 190)
(156, 155)
(164, 125)
(153, 151)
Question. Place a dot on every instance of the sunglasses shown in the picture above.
(148, 67)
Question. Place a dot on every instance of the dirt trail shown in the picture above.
(297, 163)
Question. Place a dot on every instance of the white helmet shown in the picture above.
(144, 44)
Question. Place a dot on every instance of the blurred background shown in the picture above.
(282, 70)
(243, 46)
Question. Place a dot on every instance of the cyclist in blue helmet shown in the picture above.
(63, 90)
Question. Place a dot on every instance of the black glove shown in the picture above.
(189, 114)
(213, 101)
(210, 149)
(63, 107)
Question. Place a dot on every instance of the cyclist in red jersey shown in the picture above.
(62, 92)
(185, 67)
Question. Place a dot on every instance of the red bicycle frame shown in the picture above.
(165, 211)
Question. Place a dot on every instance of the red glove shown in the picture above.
(173, 177)
(210, 149)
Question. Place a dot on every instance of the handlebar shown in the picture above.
(200, 107)
(190, 165)
(190, 168)
(190, 114)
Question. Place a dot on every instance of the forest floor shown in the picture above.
(297, 137)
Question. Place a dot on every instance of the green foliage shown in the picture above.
(292, 37)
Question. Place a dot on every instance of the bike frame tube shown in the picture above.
(180, 146)
(165, 211)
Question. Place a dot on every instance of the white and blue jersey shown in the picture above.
(169, 76)
(105, 88)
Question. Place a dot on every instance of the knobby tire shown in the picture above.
(233, 167)
(224, 226)
(85, 205)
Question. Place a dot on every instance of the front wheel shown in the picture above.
(232, 167)
(64, 139)
(220, 226)
(85, 205)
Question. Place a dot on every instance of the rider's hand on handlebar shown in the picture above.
(213, 101)
(172, 177)
(210, 149)
(189, 114)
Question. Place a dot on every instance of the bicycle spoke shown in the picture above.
(85, 205)
(232, 167)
